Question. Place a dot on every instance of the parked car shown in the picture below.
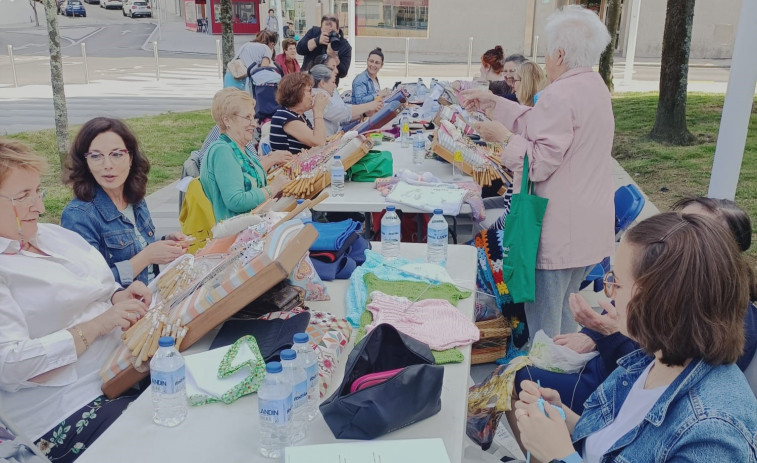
(136, 8)
(92, 2)
(108, 4)
(74, 8)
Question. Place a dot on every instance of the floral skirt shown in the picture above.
(67, 440)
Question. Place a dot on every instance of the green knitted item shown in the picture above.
(413, 290)
(442, 357)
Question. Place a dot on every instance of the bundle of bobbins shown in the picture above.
(142, 338)
(176, 279)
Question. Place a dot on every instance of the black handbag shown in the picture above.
(413, 394)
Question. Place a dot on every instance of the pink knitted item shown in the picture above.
(435, 322)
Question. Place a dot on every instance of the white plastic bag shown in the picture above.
(549, 356)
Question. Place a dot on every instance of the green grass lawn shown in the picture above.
(665, 173)
(668, 173)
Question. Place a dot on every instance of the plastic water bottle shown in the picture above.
(293, 367)
(438, 236)
(419, 148)
(306, 215)
(169, 396)
(405, 140)
(420, 89)
(390, 234)
(275, 407)
(337, 176)
(309, 360)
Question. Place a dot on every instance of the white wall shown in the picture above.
(712, 34)
(19, 12)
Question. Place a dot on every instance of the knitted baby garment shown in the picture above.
(435, 322)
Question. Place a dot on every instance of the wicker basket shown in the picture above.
(492, 343)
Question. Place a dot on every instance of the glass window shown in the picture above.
(240, 13)
(390, 18)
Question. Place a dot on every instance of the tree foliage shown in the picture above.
(670, 122)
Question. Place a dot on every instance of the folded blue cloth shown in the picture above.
(341, 269)
(332, 235)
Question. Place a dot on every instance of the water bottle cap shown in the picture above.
(288, 354)
(419, 131)
(337, 157)
(166, 341)
(300, 201)
(301, 338)
(390, 208)
(438, 211)
(273, 367)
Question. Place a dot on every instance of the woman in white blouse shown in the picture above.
(61, 314)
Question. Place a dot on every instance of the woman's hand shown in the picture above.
(577, 342)
(384, 92)
(585, 315)
(374, 106)
(477, 99)
(163, 251)
(137, 291)
(277, 184)
(319, 104)
(181, 239)
(492, 131)
(545, 435)
(275, 159)
(122, 314)
(530, 393)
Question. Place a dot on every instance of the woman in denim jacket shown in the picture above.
(681, 289)
(108, 173)
(366, 87)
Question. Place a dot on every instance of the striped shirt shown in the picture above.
(281, 140)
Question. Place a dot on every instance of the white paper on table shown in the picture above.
(443, 196)
(415, 450)
(202, 371)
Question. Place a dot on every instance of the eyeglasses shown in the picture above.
(610, 286)
(27, 198)
(96, 157)
(517, 80)
(250, 119)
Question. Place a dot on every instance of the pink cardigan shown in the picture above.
(568, 136)
(280, 59)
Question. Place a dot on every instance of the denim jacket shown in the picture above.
(707, 414)
(363, 89)
(110, 232)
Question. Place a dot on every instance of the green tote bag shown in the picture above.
(520, 240)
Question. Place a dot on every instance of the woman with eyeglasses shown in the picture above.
(233, 177)
(108, 173)
(681, 290)
(62, 316)
(600, 332)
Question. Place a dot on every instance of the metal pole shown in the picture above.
(84, 56)
(218, 58)
(160, 27)
(352, 25)
(407, 56)
(13, 65)
(633, 29)
(157, 62)
(470, 54)
(734, 122)
(535, 50)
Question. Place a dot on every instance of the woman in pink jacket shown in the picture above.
(568, 138)
(287, 61)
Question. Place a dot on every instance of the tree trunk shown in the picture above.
(606, 60)
(227, 33)
(670, 123)
(33, 4)
(56, 76)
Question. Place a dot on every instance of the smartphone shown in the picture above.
(265, 148)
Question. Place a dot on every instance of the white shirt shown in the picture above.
(636, 406)
(336, 113)
(41, 296)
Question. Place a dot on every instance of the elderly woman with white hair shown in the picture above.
(337, 111)
(568, 138)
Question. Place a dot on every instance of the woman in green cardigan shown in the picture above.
(233, 176)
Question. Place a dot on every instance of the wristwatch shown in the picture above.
(572, 458)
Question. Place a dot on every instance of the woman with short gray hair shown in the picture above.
(568, 138)
(337, 111)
